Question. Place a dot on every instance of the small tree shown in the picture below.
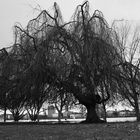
(36, 98)
(3, 95)
(17, 100)
(7, 72)
(62, 101)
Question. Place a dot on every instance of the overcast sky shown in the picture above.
(12, 11)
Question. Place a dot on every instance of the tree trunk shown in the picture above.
(104, 108)
(137, 111)
(89, 100)
(59, 112)
(59, 116)
(92, 116)
(38, 116)
(5, 114)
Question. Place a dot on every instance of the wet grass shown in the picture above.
(44, 131)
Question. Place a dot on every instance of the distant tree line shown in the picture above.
(83, 61)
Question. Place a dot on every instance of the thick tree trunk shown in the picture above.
(89, 101)
(92, 116)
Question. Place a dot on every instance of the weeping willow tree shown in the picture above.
(77, 57)
(95, 58)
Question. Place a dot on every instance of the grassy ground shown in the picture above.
(42, 131)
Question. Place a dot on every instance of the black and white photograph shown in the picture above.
(69, 70)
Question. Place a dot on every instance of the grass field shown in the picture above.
(42, 131)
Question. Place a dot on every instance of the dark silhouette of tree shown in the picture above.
(12, 97)
(4, 81)
(77, 57)
(16, 95)
(94, 57)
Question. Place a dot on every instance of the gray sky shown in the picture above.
(12, 11)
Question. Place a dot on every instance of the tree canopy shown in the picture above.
(80, 57)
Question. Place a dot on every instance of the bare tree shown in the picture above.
(62, 101)
(129, 76)
(36, 96)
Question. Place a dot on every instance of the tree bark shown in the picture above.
(92, 116)
(37, 115)
(59, 116)
(137, 111)
(105, 115)
(59, 112)
(5, 114)
(89, 101)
